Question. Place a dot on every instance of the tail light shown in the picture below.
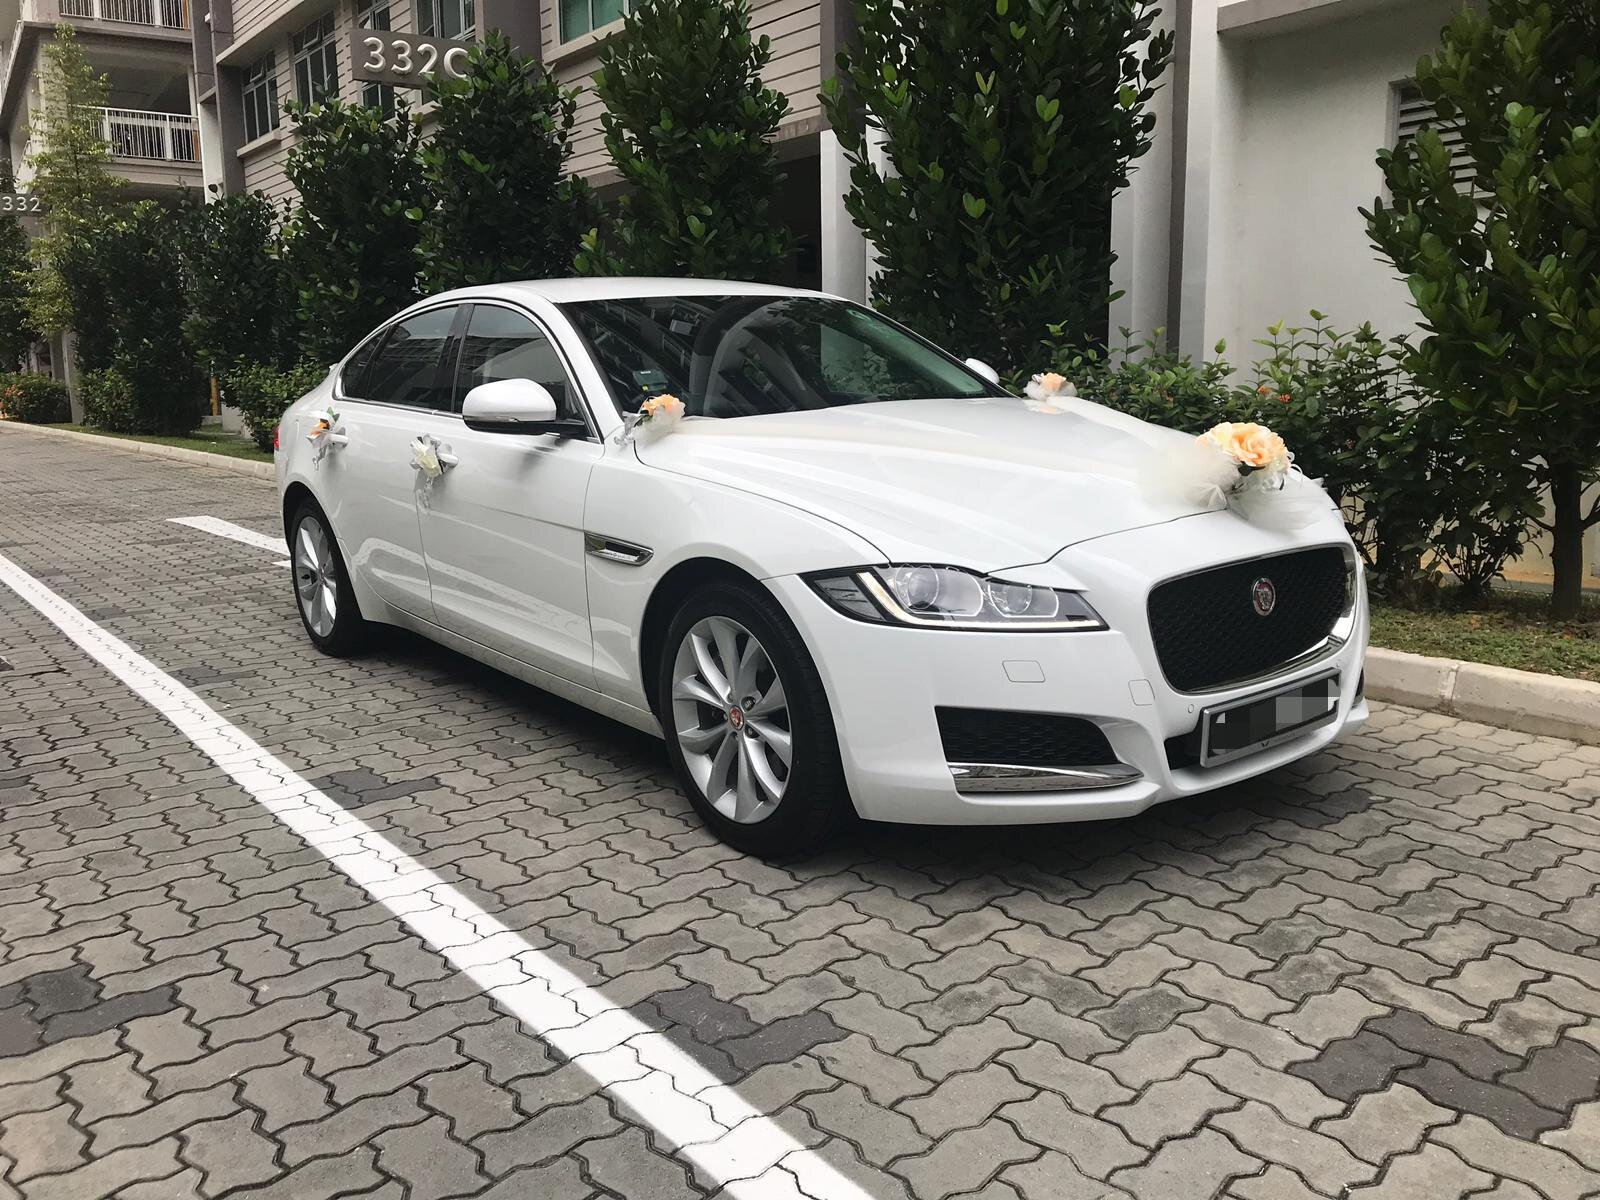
(277, 441)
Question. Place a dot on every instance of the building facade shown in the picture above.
(145, 50)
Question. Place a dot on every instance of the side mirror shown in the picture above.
(978, 367)
(513, 406)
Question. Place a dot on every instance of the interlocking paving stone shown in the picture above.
(1377, 969)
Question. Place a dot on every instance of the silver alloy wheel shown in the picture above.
(731, 719)
(316, 577)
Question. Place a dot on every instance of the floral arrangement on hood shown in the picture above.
(1245, 466)
(1047, 391)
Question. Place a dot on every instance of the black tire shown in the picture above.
(816, 801)
(350, 631)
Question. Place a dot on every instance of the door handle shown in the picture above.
(446, 460)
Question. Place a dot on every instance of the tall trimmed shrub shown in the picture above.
(1006, 126)
(1509, 287)
(500, 203)
(689, 125)
(237, 288)
(352, 240)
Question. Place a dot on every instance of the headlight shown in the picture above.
(952, 598)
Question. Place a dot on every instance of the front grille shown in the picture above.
(1206, 629)
(1017, 739)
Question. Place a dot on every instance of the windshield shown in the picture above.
(745, 356)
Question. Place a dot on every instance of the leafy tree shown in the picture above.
(73, 177)
(235, 282)
(351, 243)
(689, 125)
(137, 264)
(16, 326)
(1007, 125)
(1509, 286)
(501, 206)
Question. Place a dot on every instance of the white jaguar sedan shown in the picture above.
(857, 574)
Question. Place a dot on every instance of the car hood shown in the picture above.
(980, 483)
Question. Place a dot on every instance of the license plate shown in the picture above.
(1257, 722)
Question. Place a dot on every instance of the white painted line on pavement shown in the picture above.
(227, 529)
(705, 1121)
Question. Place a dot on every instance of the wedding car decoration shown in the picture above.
(325, 433)
(1247, 467)
(1046, 391)
(659, 414)
(426, 458)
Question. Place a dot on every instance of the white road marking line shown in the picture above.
(704, 1120)
(227, 529)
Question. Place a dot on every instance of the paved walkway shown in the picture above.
(1377, 974)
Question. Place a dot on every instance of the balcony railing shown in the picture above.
(161, 137)
(162, 14)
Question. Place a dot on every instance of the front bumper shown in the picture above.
(885, 682)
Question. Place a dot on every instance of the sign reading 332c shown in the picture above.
(404, 59)
(20, 202)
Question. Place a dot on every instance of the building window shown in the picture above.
(454, 19)
(374, 14)
(1414, 113)
(261, 97)
(581, 16)
(316, 62)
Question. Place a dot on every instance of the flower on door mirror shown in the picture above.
(659, 413)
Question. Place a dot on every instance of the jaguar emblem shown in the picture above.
(1263, 596)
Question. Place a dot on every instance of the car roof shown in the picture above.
(622, 287)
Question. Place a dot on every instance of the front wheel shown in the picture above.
(747, 724)
(322, 590)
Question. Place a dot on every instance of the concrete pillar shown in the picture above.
(844, 246)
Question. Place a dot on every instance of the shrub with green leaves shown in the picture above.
(1149, 381)
(237, 288)
(141, 279)
(689, 125)
(108, 401)
(1509, 286)
(1007, 126)
(38, 399)
(352, 241)
(501, 205)
(261, 394)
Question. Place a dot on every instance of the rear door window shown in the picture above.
(411, 367)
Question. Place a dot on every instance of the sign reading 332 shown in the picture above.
(404, 59)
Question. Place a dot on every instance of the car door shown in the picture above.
(502, 528)
(392, 390)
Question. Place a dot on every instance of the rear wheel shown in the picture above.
(747, 723)
(322, 590)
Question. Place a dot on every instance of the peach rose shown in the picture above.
(1249, 444)
(664, 405)
(1050, 381)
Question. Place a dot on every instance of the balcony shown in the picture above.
(152, 136)
(154, 14)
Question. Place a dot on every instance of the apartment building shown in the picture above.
(253, 55)
(145, 49)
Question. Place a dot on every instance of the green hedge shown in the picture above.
(262, 393)
(38, 399)
(108, 402)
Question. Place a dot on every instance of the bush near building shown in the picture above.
(689, 125)
(38, 399)
(1505, 268)
(351, 243)
(261, 393)
(500, 202)
(238, 300)
(108, 402)
(986, 140)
